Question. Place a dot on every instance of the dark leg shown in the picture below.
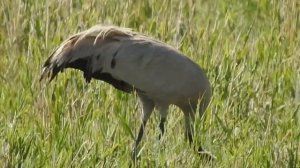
(190, 135)
(138, 140)
(189, 126)
(162, 127)
(163, 111)
(189, 114)
(141, 133)
(147, 108)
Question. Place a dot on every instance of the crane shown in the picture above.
(132, 62)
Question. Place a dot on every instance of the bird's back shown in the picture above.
(159, 70)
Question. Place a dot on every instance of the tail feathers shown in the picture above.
(74, 53)
(77, 51)
(49, 70)
(55, 64)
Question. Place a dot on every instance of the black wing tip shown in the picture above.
(45, 72)
(49, 72)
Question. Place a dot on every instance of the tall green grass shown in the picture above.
(249, 49)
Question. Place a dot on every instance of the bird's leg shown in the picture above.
(163, 111)
(147, 108)
(189, 122)
(162, 127)
(141, 133)
(189, 126)
(138, 140)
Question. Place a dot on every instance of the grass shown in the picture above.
(249, 50)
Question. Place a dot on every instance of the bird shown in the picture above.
(133, 62)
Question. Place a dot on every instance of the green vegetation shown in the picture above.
(250, 50)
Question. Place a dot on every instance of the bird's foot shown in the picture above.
(135, 155)
(208, 156)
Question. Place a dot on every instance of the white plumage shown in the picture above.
(130, 61)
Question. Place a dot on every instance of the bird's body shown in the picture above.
(129, 61)
(169, 85)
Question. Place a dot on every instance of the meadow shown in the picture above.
(249, 49)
